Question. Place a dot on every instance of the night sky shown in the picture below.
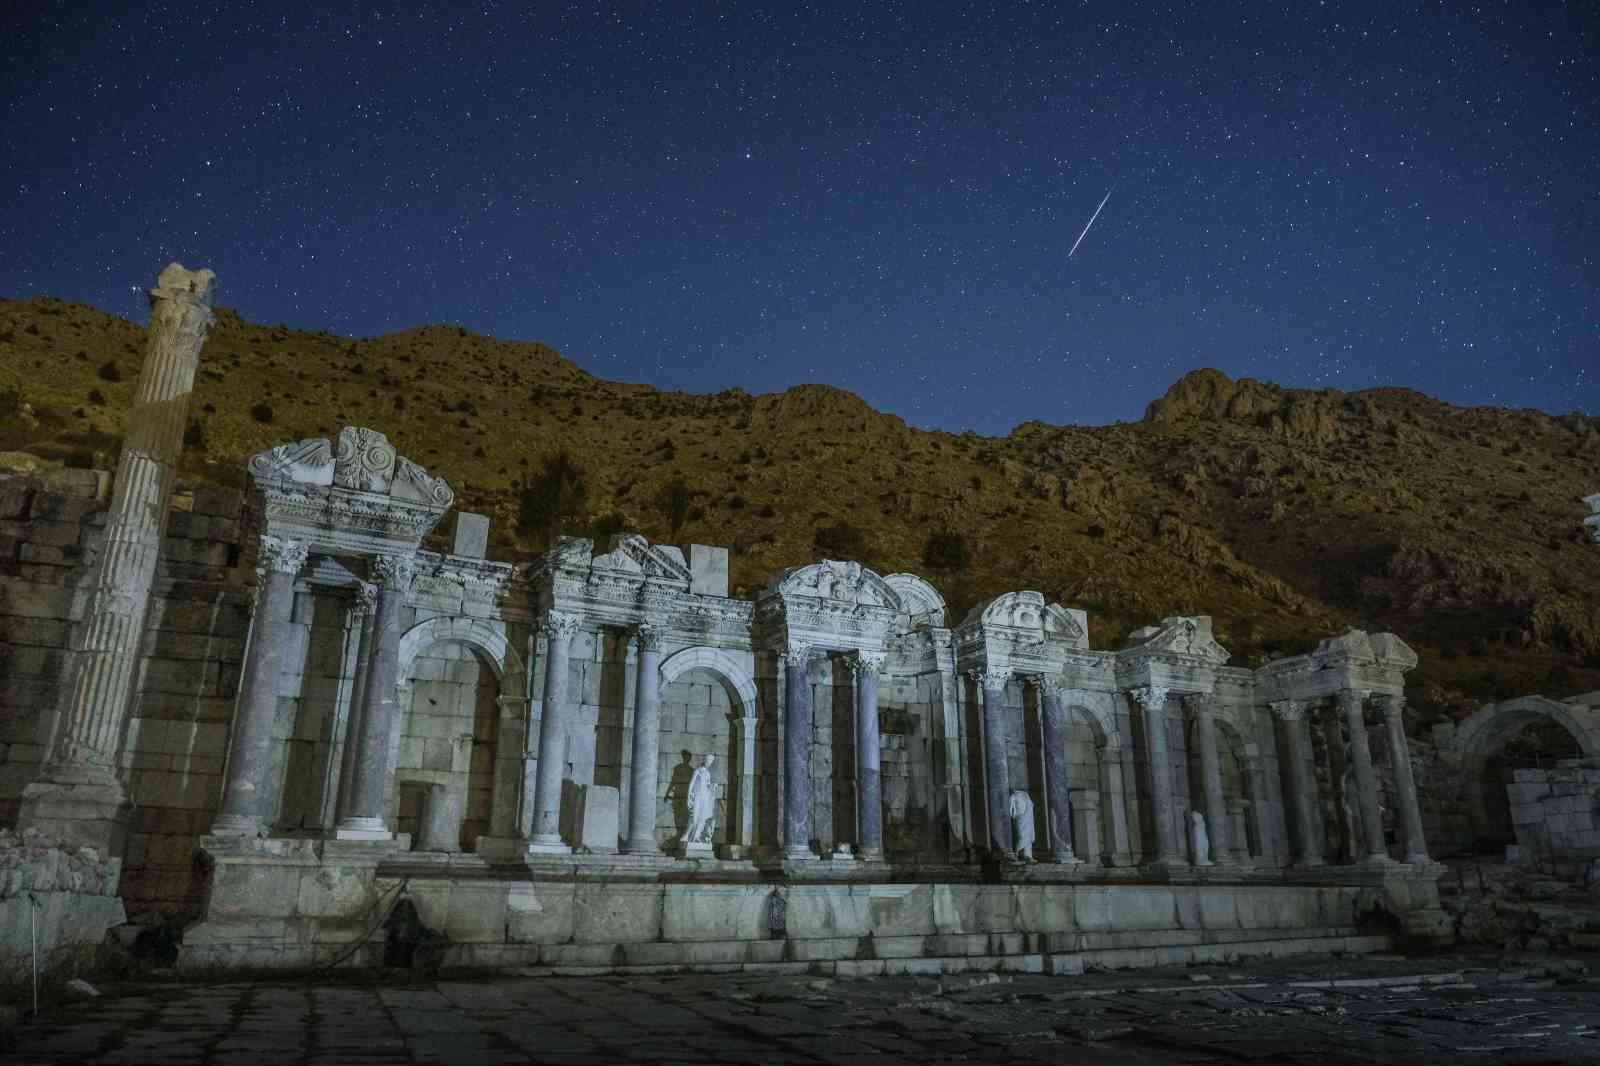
(880, 197)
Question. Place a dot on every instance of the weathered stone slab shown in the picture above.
(472, 535)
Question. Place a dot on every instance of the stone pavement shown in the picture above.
(1383, 1009)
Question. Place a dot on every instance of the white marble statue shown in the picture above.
(1199, 839)
(1020, 808)
(702, 799)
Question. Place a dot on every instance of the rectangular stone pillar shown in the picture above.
(1114, 776)
(1085, 806)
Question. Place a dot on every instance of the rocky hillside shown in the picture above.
(1284, 514)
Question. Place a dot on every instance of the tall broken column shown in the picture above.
(78, 797)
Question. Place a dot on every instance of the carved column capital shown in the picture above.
(1052, 685)
(869, 663)
(1150, 697)
(798, 656)
(1394, 706)
(365, 600)
(1200, 704)
(1352, 700)
(395, 571)
(281, 555)
(995, 677)
(1289, 710)
(647, 636)
(561, 624)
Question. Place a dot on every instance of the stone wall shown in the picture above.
(449, 737)
(1556, 810)
(65, 899)
(52, 527)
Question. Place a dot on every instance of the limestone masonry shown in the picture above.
(600, 760)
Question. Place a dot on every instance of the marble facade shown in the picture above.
(465, 727)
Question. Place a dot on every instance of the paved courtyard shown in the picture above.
(1374, 1010)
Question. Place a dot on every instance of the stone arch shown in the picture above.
(1484, 732)
(733, 675)
(921, 606)
(487, 637)
(1098, 708)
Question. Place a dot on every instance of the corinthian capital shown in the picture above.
(366, 598)
(1150, 697)
(867, 663)
(1200, 703)
(395, 571)
(797, 656)
(1052, 685)
(280, 555)
(1289, 710)
(562, 624)
(647, 636)
(995, 677)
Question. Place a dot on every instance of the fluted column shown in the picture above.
(560, 628)
(1293, 715)
(250, 797)
(1351, 701)
(82, 758)
(797, 753)
(869, 779)
(996, 768)
(364, 609)
(1153, 698)
(368, 817)
(646, 745)
(1057, 768)
(1203, 708)
(1405, 783)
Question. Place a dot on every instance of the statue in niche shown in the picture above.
(702, 797)
(1020, 808)
(1199, 839)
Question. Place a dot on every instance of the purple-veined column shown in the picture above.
(646, 745)
(1293, 715)
(869, 777)
(996, 768)
(560, 628)
(380, 713)
(1057, 769)
(1153, 699)
(797, 753)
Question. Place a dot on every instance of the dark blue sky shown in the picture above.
(877, 196)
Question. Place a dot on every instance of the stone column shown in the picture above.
(1203, 708)
(745, 730)
(797, 753)
(364, 609)
(368, 818)
(1169, 842)
(560, 628)
(250, 797)
(1351, 701)
(642, 797)
(1113, 782)
(996, 769)
(1261, 809)
(1293, 715)
(442, 817)
(1405, 784)
(869, 778)
(1057, 771)
(78, 796)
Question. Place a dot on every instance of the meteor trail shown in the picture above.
(1092, 217)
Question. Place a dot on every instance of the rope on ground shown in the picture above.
(355, 945)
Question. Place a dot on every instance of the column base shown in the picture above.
(90, 814)
(548, 844)
(645, 847)
(237, 825)
(869, 854)
(366, 829)
(798, 853)
(701, 849)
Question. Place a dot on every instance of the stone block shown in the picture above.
(715, 912)
(708, 570)
(616, 913)
(472, 535)
(601, 815)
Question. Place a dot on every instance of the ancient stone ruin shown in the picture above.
(602, 760)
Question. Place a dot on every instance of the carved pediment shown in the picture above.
(1189, 637)
(362, 461)
(307, 462)
(632, 554)
(1025, 618)
(840, 582)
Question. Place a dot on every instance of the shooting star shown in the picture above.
(1092, 217)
